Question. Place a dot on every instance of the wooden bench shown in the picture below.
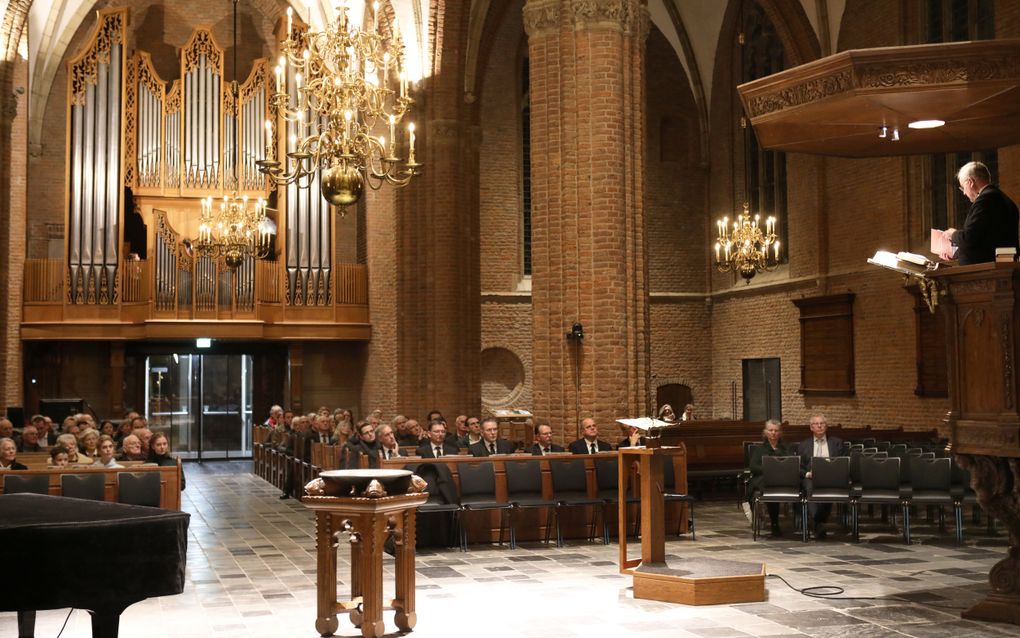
(170, 480)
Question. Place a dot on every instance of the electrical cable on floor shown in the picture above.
(69, 612)
(831, 592)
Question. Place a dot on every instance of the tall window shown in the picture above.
(761, 54)
(525, 168)
(950, 21)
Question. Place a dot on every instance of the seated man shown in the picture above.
(388, 448)
(436, 446)
(772, 445)
(365, 445)
(632, 437)
(474, 432)
(8, 452)
(589, 443)
(543, 441)
(819, 445)
(30, 440)
(131, 449)
(491, 443)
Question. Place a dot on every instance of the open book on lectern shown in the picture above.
(903, 262)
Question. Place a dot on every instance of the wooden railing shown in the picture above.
(44, 280)
(196, 289)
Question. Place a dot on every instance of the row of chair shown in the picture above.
(133, 488)
(860, 479)
(524, 491)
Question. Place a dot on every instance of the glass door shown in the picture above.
(203, 403)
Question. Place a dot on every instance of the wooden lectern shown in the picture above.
(982, 307)
(688, 581)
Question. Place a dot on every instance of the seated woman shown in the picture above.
(58, 457)
(773, 445)
(666, 413)
(123, 430)
(106, 450)
(70, 443)
(107, 427)
(131, 450)
(8, 452)
(688, 414)
(88, 442)
(159, 453)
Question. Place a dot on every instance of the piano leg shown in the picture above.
(26, 624)
(105, 623)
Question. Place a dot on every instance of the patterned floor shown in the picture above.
(251, 572)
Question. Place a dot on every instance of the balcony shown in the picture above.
(178, 296)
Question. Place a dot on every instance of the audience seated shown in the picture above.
(44, 425)
(143, 433)
(8, 454)
(70, 443)
(821, 446)
(437, 445)
(29, 441)
(491, 443)
(589, 443)
(632, 437)
(88, 442)
(388, 447)
(543, 441)
(474, 433)
(772, 445)
(159, 453)
(107, 448)
(131, 449)
(365, 445)
(58, 457)
(7, 431)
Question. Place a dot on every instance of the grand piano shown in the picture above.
(131, 553)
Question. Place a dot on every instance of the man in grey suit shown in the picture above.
(819, 445)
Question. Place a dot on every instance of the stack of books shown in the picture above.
(1005, 255)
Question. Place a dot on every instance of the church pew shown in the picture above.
(170, 480)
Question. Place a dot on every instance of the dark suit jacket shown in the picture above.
(425, 450)
(806, 449)
(482, 448)
(355, 450)
(626, 442)
(580, 446)
(553, 448)
(991, 223)
(400, 451)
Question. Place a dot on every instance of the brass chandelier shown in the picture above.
(347, 83)
(233, 230)
(746, 248)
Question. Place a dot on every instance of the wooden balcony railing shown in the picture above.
(152, 294)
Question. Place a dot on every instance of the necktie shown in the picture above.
(439, 451)
(545, 451)
(492, 448)
(389, 454)
(594, 448)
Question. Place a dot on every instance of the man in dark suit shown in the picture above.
(437, 446)
(491, 443)
(388, 447)
(543, 441)
(991, 222)
(589, 443)
(819, 445)
(365, 445)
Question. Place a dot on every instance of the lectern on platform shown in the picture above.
(982, 308)
(691, 581)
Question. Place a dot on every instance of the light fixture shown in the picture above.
(746, 248)
(350, 86)
(233, 230)
(923, 124)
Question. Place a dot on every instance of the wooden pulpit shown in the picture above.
(690, 581)
(983, 323)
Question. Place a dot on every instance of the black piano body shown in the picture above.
(131, 552)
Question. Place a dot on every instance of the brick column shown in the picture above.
(13, 189)
(588, 244)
